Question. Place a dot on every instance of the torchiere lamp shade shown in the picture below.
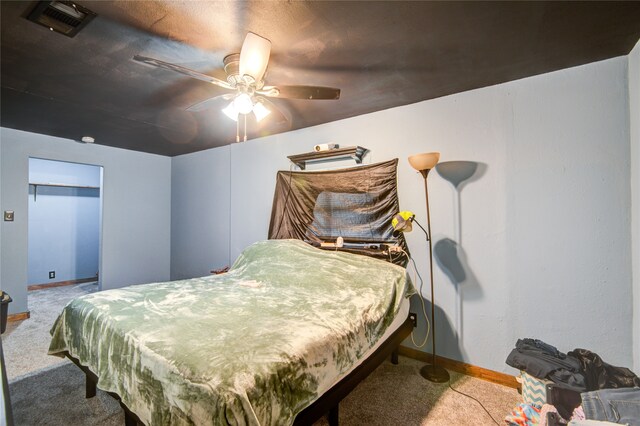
(425, 161)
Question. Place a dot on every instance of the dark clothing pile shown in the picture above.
(580, 377)
(600, 375)
(580, 370)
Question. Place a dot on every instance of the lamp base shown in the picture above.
(434, 373)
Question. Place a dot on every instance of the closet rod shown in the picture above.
(62, 185)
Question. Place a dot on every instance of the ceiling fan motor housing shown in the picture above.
(232, 68)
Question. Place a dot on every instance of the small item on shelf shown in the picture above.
(325, 147)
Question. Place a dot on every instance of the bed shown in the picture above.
(279, 339)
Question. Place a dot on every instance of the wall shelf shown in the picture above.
(61, 185)
(355, 152)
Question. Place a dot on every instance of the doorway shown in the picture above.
(65, 223)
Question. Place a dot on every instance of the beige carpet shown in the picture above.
(49, 391)
(25, 343)
(398, 395)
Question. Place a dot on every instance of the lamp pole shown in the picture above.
(432, 371)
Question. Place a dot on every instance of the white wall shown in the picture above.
(545, 229)
(136, 210)
(634, 126)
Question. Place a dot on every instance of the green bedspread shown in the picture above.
(253, 346)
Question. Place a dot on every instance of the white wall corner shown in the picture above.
(633, 73)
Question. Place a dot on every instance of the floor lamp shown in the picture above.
(424, 163)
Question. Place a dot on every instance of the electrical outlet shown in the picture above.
(52, 274)
(414, 318)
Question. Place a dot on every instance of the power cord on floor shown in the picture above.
(415, 268)
(476, 400)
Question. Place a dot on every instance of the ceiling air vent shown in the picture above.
(64, 17)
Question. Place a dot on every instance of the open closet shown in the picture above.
(64, 223)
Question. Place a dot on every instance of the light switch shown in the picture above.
(8, 215)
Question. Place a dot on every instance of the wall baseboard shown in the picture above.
(19, 316)
(60, 283)
(462, 367)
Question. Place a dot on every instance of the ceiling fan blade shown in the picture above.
(254, 56)
(210, 103)
(182, 70)
(281, 116)
(300, 92)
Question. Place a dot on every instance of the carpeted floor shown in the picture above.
(55, 396)
(50, 391)
(398, 395)
(26, 343)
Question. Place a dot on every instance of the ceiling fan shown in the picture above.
(245, 79)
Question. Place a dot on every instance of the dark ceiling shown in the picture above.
(381, 54)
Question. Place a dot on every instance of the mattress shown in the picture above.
(254, 346)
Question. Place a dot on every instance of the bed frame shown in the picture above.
(327, 404)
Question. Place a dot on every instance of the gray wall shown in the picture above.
(545, 229)
(136, 213)
(199, 213)
(634, 125)
(64, 222)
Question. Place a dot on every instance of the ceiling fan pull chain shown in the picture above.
(245, 127)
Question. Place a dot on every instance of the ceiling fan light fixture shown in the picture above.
(243, 103)
(254, 56)
(260, 111)
(231, 111)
